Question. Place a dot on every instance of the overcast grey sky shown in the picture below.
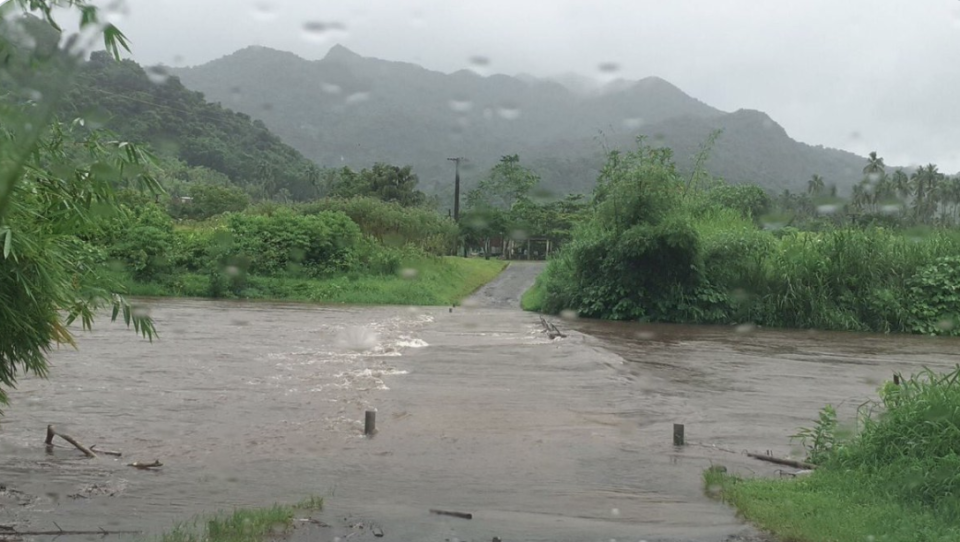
(860, 75)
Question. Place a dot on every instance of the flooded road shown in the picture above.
(478, 411)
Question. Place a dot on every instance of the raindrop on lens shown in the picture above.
(330, 88)
(608, 67)
(157, 75)
(264, 11)
(460, 106)
(357, 97)
(509, 113)
(569, 314)
(408, 273)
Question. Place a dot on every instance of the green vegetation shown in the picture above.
(53, 182)
(421, 280)
(242, 525)
(532, 299)
(661, 246)
(894, 480)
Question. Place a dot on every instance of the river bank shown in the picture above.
(425, 281)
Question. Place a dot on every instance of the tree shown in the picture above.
(507, 183)
(383, 181)
(815, 185)
(52, 178)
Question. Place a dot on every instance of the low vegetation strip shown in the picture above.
(421, 281)
(242, 525)
(895, 480)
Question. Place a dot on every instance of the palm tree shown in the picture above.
(875, 166)
(926, 183)
(815, 185)
(901, 183)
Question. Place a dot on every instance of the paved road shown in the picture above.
(505, 291)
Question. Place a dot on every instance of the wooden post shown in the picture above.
(370, 423)
(678, 434)
(896, 380)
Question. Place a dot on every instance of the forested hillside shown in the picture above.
(152, 107)
(346, 109)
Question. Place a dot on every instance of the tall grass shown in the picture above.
(897, 479)
(242, 525)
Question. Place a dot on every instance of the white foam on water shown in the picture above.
(412, 343)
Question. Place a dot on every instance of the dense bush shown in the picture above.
(287, 243)
(655, 249)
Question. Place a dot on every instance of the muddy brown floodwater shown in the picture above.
(252, 403)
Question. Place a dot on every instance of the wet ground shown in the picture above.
(477, 410)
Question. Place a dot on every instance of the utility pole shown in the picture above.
(456, 189)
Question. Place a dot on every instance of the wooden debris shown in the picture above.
(156, 464)
(780, 461)
(462, 515)
(106, 452)
(60, 532)
(51, 432)
(550, 329)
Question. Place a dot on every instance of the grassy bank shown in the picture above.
(896, 480)
(242, 525)
(421, 281)
(532, 299)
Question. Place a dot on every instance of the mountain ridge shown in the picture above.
(349, 109)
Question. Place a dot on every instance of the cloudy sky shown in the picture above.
(860, 75)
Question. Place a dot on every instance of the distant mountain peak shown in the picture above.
(340, 53)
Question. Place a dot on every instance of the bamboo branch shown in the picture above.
(781, 461)
(51, 432)
(103, 532)
(106, 452)
(462, 515)
(143, 466)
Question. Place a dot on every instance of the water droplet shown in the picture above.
(34, 95)
(767, 124)
(460, 106)
(746, 328)
(157, 75)
(633, 123)
(615, 512)
(470, 303)
(891, 209)
(509, 113)
(140, 311)
(357, 97)
(646, 335)
(608, 67)
(519, 235)
(408, 273)
(115, 12)
(945, 324)
(828, 209)
(855, 136)
(232, 271)
(264, 11)
(330, 88)
(569, 314)
(179, 60)
(488, 113)
(236, 94)
(317, 31)
(479, 61)
(874, 177)
(417, 18)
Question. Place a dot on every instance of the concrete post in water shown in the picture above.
(370, 423)
(896, 379)
(678, 434)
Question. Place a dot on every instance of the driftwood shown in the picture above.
(780, 461)
(106, 452)
(103, 532)
(462, 515)
(51, 432)
(143, 466)
(550, 329)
